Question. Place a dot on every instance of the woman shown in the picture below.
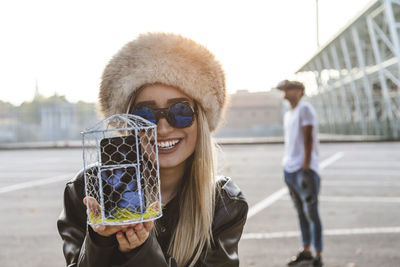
(203, 217)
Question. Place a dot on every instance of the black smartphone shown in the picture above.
(122, 197)
(119, 150)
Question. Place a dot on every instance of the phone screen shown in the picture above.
(119, 150)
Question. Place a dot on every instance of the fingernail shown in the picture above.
(139, 226)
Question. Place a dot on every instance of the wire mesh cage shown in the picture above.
(120, 159)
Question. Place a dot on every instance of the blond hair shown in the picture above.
(196, 201)
(197, 197)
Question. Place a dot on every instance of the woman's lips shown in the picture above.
(168, 146)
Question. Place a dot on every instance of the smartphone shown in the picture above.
(119, 160)
(119, 150)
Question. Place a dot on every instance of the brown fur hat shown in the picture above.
(169, 59)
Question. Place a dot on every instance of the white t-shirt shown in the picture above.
(302, 115)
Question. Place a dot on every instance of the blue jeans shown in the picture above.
(304, 188)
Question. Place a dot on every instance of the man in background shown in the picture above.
(301, 170)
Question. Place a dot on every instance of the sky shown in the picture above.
(63, 46)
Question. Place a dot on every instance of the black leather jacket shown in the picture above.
(83, 247)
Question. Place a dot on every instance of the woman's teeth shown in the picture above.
(167, 144)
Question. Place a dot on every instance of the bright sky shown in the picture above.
(64, 45)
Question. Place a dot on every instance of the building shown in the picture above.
(356, 75)
(58, 120)
(253, 114)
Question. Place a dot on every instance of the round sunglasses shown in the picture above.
(179, 115)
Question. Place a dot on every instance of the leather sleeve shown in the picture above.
(148, 254)
(78, 246)
(82, 247)
(230, 218)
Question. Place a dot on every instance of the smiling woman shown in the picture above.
(179, 85)
(175, 144)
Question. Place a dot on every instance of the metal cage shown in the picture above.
(122, 181)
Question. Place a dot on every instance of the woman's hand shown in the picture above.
(133, 236)
(102, 230)
(128, 236)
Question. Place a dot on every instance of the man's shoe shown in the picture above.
(317, 262)
(302, 257)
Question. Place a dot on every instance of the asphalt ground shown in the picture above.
(359, 204)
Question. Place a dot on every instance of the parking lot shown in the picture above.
(359, 204)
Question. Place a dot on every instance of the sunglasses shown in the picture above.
(179, 115)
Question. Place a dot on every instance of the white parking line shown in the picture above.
(20, 186)
(331, 160)
(362, 183)
(266, 202)
(332, 232)
(369, 199)
(283, 191)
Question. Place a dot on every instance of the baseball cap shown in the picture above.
(286, 84)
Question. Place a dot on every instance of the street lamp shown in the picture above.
(317, 15)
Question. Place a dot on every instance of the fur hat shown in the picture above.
(169, 59)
